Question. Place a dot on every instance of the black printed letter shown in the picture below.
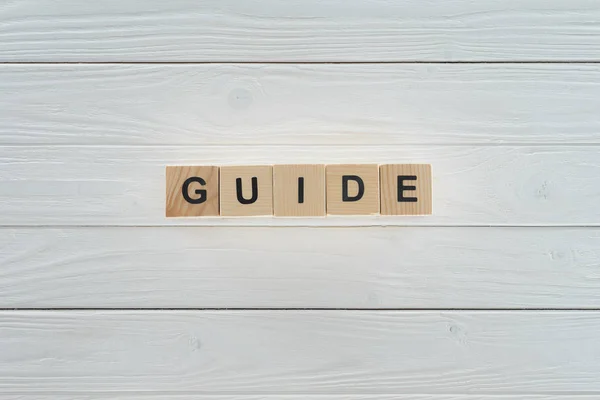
(238, 188)
(301, 190)
(201, 192)
(402, 188)
(361, 187)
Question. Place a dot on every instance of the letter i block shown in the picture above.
(246, 190)
(299, 190)
(405, 189)
(192, 191)
(353, 189)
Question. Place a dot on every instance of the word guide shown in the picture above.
(298, 190)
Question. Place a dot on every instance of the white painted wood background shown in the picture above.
(495, 296)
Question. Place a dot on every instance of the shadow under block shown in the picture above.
(353, 189)
(299, 190)
(246, 190)
(192, 191)
(405, 189)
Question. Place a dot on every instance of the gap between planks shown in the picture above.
(370, 226)
(296, 309)
(307, 145)
(269, 220)
(170, 395)
(293, 62)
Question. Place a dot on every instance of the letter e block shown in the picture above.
(247, 190)
(405, 189)
(192, 191)
(299, 190)
(353, 189)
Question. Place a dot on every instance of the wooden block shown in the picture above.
(353, 189)
(405, 189)
(299, 190)
(192, 191)
(247, 190)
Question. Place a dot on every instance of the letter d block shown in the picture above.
(405, 189)
(192, 191)
(246, 190)
(353, 189)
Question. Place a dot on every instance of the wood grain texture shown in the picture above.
(299, 30)
(361, 189)
(203, 188)
(300, 104)
(300, 352)
(299, 190)
(246, 267)
(405, 189)
(473, 186)
(246, 190)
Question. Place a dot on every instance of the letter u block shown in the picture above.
(192, 191)
(246, 190)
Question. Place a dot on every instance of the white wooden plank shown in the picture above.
(299, 30)
(299, 104)
(300, 352)
(119, 185)
(179, 267)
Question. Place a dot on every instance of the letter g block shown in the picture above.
(192, 191)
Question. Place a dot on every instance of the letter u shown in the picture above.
(239, 192)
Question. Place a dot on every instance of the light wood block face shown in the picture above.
(192, 191)
(405, 189)
(353, 189)
(299, 190)
(246, 190)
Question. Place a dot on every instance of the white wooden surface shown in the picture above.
(199, 104)
(301, 352)
(361, 267)
(123, 185)
(299, 30)
(97, 97)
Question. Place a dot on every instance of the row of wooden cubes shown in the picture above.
(298, 190)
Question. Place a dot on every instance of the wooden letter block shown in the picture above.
(353, 189)
(192, 191)
(299, 190)
(405, 189)
(247, 190)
